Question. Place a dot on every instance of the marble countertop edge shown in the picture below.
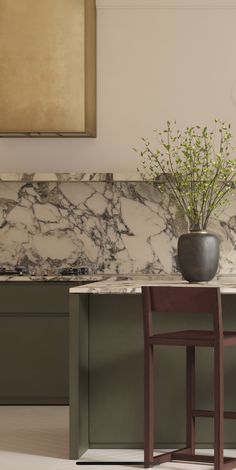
(54, 278)
(70, 177)
(227, 285)
(122, 283)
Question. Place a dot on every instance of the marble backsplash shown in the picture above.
(111, 227)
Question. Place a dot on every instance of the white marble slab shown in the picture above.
(110, 227)
(133, 285)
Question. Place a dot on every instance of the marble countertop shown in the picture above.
(54, 278)
(124, 283)
(132, 284)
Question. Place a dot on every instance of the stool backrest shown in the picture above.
(168, 299)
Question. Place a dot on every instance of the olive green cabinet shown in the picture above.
(34, 343)
(34, 321)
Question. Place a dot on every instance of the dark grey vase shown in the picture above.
(198, 255)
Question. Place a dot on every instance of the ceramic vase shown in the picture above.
(198, 255)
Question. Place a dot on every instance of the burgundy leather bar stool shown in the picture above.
(163, 299)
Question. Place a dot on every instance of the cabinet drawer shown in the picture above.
(29, 297)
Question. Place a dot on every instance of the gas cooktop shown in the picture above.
(24, 271)
(16, 271)
(81, 270)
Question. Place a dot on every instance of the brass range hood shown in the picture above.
(47, 68)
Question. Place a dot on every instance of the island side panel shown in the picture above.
(116, 371)
(78, 366)
(116, 375)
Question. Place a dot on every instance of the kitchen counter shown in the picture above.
(121, 283)
(131, 284)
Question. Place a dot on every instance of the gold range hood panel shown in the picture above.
(47, 68)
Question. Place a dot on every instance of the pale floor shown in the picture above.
(36, 438)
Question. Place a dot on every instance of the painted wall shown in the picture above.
(157, 60)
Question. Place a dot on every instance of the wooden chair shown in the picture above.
(186, 300)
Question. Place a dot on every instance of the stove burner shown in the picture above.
(82, 270)
(16, 271)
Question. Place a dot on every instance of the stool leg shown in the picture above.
(148, 405)
(219, 407)
(190, 397)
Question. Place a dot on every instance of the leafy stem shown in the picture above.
(194, 167)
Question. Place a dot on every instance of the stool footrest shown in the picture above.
(200, 458)
(186, 456)
(211, 414)
(168, 456)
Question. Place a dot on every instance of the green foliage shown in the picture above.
(194, 166)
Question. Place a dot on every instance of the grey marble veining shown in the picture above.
(111, 227)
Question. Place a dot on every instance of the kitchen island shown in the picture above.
(111, 300)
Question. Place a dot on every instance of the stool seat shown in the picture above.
(192, 338)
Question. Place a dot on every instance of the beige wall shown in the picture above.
(157, 60)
